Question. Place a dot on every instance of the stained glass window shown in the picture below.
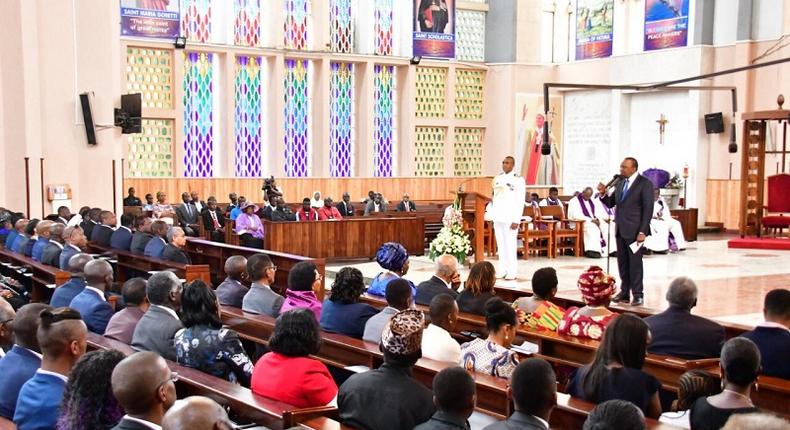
(342, 30)
(248, 116)
(468, 151)
(247, 25)
(149, 72)
(297, 14)
(429, 151)
(383, 120)
(431, 87)
(297, 117)
(196, 20)
(341, 120)
(471, 35)
(198, 114)
(382, 27)
(150, 153)
(469, 93)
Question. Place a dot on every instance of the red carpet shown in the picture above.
(759, 243)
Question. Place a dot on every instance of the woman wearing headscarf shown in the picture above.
(316, 201)
(597, 288)
(394, 259)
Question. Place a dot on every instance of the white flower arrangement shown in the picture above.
(451, 238)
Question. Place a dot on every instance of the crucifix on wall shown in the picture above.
(662, 123)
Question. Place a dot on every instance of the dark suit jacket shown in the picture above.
(345, 209)
(774, 346)
(68, 252)
(121, 238)
(635, 211)
(427, 290)
(155, 247)
(208, 223)
(95, 310)
(139, 241)
(132, 201)
(191, 217)
(51, 255)
(27, 247)
(678, 333)
(283, 215)
(87, 228)
(155, 333)
(173, 253)
(130, 425)
(402, 207)
(101, 235)
(519, 421)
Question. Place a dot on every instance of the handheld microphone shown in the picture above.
(614, 181)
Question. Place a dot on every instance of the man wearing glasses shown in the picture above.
(261, 299)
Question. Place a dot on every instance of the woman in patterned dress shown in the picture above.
(206, 345)
(492, 355)
(537, 312)
(590, 321)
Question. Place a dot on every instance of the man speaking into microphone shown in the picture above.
(632, 194)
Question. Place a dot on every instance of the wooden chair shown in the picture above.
(567, 234)
(778, 203)
(490, 240)
(539, 238)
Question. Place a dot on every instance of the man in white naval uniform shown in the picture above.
(506, 211)
(596, 229)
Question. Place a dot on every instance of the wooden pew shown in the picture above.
(130, 260)
(39, 276)
(772, 394)
(240, 400)
(214, 254)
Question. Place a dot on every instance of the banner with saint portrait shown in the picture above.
(434, 28)
(158, 19)
(666, 24)
(531, 126)
(594, 28)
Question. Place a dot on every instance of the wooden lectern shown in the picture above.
(473, 208)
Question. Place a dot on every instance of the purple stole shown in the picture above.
(553, 202)
(587, 214)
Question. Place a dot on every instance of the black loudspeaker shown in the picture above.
(714, 123)
(87, 116)
(128, 117)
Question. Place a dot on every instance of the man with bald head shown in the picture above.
(51, 254)
(102, 233)
(196, 413)
(160, 323)
(7, 315)
(22, 361)
(446, 280)
(145, 388)
(677, 332)
(63, 338)
(174, 251)
(231, 291)
(65, 293)
(122, 324)
(42, 231)
(91, 303)
(76, 241)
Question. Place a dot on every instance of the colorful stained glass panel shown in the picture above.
(297, 13)
(247, 23)
(382, 27)
(198, 114)
(383, 120)
(196, 20)
(297, 117)
(342, 30)
(248, 116)
(341, 120)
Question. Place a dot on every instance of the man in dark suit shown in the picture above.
(156, 245)
(677, 332)
(91, 220)
(158, 326)
(75, 242)
(188, 215)
(64, 214)
(446, 280)
(345, 207)
(131, 199)
(406, 205)
(174, 250)
(281, 211)
(51, 254)
(144, 386)
(65, 293)
(91, 303)
(772, 336)
(214, 220)
(141, 236)
(633, 197)
(102, 233)
(122, 236)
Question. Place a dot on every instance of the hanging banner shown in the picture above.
(594, 28)
(158, 19)
(434, 28)
(666, 24)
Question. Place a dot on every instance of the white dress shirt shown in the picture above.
(437, 344)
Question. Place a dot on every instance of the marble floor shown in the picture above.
(731, 282)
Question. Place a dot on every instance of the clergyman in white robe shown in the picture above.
(666, 233)
(596, 228)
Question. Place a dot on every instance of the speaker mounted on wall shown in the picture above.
(714, 123)
(128, 117)
(87, 116)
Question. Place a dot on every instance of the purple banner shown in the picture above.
(158, 19)
(594, 28)
(434, 28)
(666, 24)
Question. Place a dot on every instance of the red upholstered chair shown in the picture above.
(778, 207)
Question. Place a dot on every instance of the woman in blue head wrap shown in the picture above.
(394, 259)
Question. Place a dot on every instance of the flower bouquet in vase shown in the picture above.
(451, 238)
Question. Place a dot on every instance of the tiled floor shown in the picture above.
(731, 282)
